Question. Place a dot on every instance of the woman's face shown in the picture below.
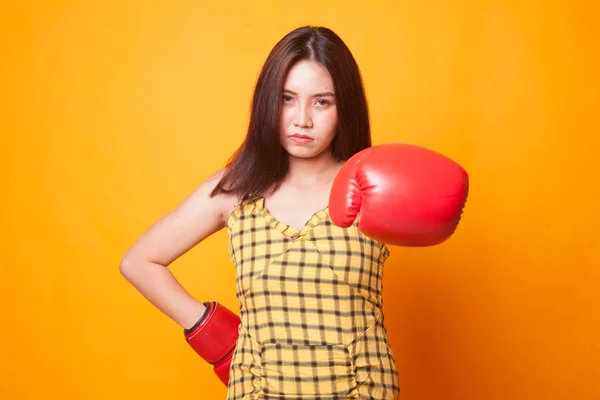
(308, 117)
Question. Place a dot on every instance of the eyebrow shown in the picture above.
(323, 94)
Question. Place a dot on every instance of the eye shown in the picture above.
(322, 102)
(287, 98)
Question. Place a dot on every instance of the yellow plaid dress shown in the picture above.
(310, 303)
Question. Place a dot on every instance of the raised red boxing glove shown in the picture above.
(214, 336)
(402, 194)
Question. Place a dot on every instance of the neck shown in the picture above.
(307, 172)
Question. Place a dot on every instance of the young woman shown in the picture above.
(309, 290)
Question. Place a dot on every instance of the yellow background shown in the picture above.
(113, 111)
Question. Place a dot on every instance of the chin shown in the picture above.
(304, 153)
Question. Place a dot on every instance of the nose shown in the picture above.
(303, 118)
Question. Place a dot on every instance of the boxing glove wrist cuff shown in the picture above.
(197, 324)
(215, 335)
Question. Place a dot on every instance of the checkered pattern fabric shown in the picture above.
(310, 303)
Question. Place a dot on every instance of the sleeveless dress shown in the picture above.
(310, 305)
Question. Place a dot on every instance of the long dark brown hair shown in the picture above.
(260, 163)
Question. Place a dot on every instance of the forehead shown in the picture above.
(307, 77)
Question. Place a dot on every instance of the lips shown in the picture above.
(301, 139)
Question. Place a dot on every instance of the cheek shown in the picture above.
(329, 122)
(285, 116)
(284, 122)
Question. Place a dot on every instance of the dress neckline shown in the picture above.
(286, 229)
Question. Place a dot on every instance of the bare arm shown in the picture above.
(144, 264)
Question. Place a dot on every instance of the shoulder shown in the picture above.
(224, 203)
